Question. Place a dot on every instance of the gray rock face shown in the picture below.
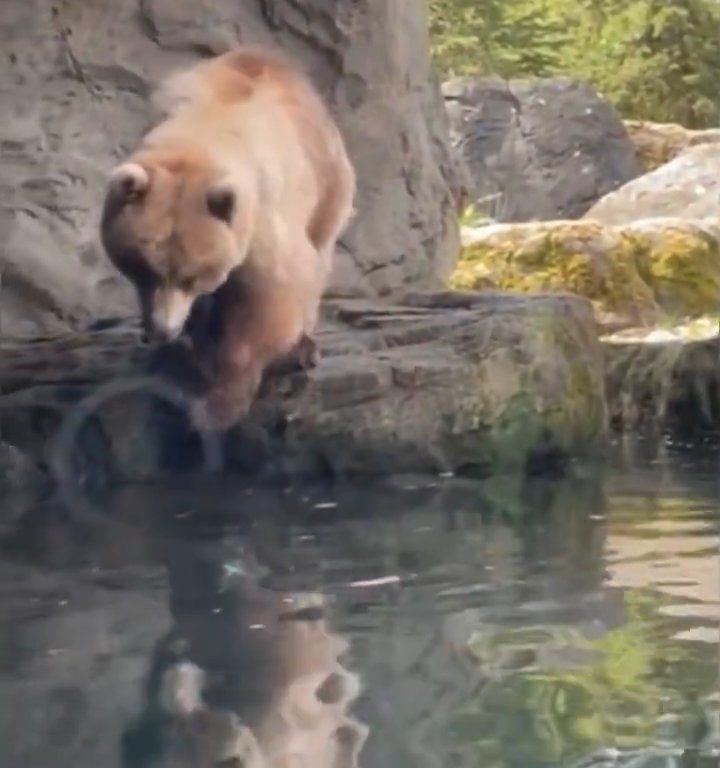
(75, 86)
(443, 382)
(546, 149)
(687, 187)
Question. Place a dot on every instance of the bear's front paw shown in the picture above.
(220, 410)
(199, 416)
(206, 416)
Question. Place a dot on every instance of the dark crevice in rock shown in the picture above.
(145, 21)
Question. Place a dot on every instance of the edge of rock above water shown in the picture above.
(443, 382)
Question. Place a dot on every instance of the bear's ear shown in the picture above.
(221, 202)
(129, 181)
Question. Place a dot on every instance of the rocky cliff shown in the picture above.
(74, 86)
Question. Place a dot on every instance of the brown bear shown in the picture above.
(240, 191)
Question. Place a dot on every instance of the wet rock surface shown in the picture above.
(442, 382)
(666, 384)
(77, 656)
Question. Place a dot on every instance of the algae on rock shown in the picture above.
(647, 271)
(535, 387)
(579, 257)
(680, 261)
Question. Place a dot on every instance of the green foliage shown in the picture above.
(654, 59)
(495, 36)
(535, 712)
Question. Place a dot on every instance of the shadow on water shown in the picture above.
(505, 623)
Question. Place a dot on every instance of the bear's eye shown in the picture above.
(187, 284)
(221, 203)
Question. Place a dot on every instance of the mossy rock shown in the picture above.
(647, 271)
(680, 261)
(535, 390)
(581, 257)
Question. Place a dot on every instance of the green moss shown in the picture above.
(579, 418)
(524, 425)
(640, 271)
(517, 431)
(579, 257)
(682, 267)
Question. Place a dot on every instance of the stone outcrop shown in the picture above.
(75, 86)
(658, 143)
(441, 383)
(643, 271)
(687, 187)
(664, 379)
(539, 149)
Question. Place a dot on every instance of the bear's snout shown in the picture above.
(171, 309)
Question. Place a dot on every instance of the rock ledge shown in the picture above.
(445, 382)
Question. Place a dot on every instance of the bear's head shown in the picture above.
(175, 228)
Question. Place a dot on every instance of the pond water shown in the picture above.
(571, 621)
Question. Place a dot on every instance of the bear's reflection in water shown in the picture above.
(247, 677)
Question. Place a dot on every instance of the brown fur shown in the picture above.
(296, 696)
(241, 191)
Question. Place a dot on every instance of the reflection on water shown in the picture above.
(502, 624)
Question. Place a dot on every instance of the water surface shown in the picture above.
(499, 624)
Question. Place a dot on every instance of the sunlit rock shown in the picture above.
(687, 187)
(641, 272)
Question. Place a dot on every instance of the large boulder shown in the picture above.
(645, 271)
(75, 86)
(658, 143)
(541, 149)
(687, 187)
(443, 382)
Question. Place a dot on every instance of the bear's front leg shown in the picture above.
(304, 356)
(262, 323)
(232, 389)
